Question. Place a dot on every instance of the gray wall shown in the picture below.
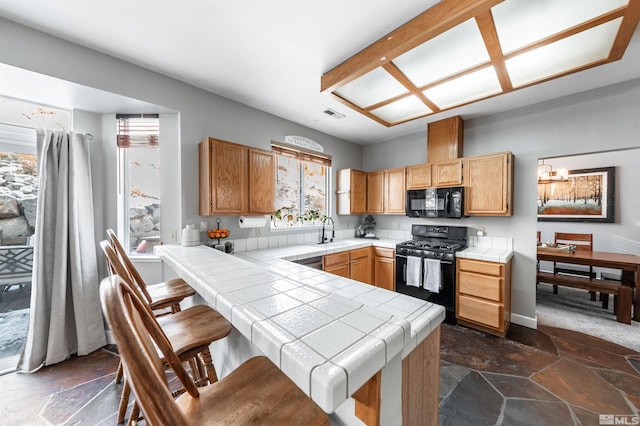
(600, 120)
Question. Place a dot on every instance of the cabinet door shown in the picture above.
(375, 192)
(360, 270)
(447, 173)
(394, 191)
(351, 192)
(358, 190)
(342, 270)
(419, 177)
(261, 181)
(227, 183)
(489, 180)
(385, 273)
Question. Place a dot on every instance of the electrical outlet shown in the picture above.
(174, 236)
(204, 226)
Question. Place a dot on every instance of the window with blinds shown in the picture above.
(139, 181)
(139, 130)
(302, 185)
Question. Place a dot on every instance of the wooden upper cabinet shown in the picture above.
(418, 177)
(445, 139)
(394, 191)
(489, 179)
(386, 191)
(447, 173)
(235, 179)
(375, 192)
(262, 181)
(351, 192)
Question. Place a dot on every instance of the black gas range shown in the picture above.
(426, 264)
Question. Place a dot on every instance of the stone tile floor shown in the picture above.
(548, 376)
(533, 377)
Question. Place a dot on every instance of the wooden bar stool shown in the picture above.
(190, 332)
(161, 295)
(257, 392)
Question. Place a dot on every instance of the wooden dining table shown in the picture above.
(628, 264)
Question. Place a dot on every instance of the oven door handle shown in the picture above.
(448, 262)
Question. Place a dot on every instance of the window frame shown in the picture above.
(123, 222)
(303, 156)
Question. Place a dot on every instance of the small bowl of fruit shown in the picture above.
(218, 233)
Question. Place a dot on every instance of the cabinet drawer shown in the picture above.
(359, 253)
(480, 267)
(481, 286)
(335, 259)
(385, 252)
(480, 311)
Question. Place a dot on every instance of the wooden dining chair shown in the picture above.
(190, 332)
(582, 242)
(167, 294)
(256, 392)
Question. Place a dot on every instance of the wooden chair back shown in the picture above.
(538, 235)
(126, 261)
(116, 267)
(137, 334)
(583, 242)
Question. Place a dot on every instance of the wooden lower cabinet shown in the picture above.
(483, 295)
(371, 265)
(337, 263)
(384, 268)
(360, 265)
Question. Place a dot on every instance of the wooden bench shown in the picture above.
(623, 293)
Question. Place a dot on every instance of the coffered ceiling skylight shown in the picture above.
(462, 51)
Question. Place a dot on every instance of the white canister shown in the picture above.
(190, 236)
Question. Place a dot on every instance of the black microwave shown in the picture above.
(436, 202)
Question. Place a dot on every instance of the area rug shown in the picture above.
(573, 309)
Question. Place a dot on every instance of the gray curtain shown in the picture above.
(65, 312)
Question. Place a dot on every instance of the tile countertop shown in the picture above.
(326, 333)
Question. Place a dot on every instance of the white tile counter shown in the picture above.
(329, 334)
(489, 249)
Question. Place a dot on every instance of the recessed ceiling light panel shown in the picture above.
(403, 109)
(453, 51)
(462, 90)
(572, 52)
(371, 88)
(522, 22)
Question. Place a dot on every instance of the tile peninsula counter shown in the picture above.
(334, 337)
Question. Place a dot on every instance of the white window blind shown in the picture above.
(138, 130)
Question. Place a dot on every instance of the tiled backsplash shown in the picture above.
(291, 239)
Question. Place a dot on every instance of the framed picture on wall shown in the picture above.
(588, 195)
